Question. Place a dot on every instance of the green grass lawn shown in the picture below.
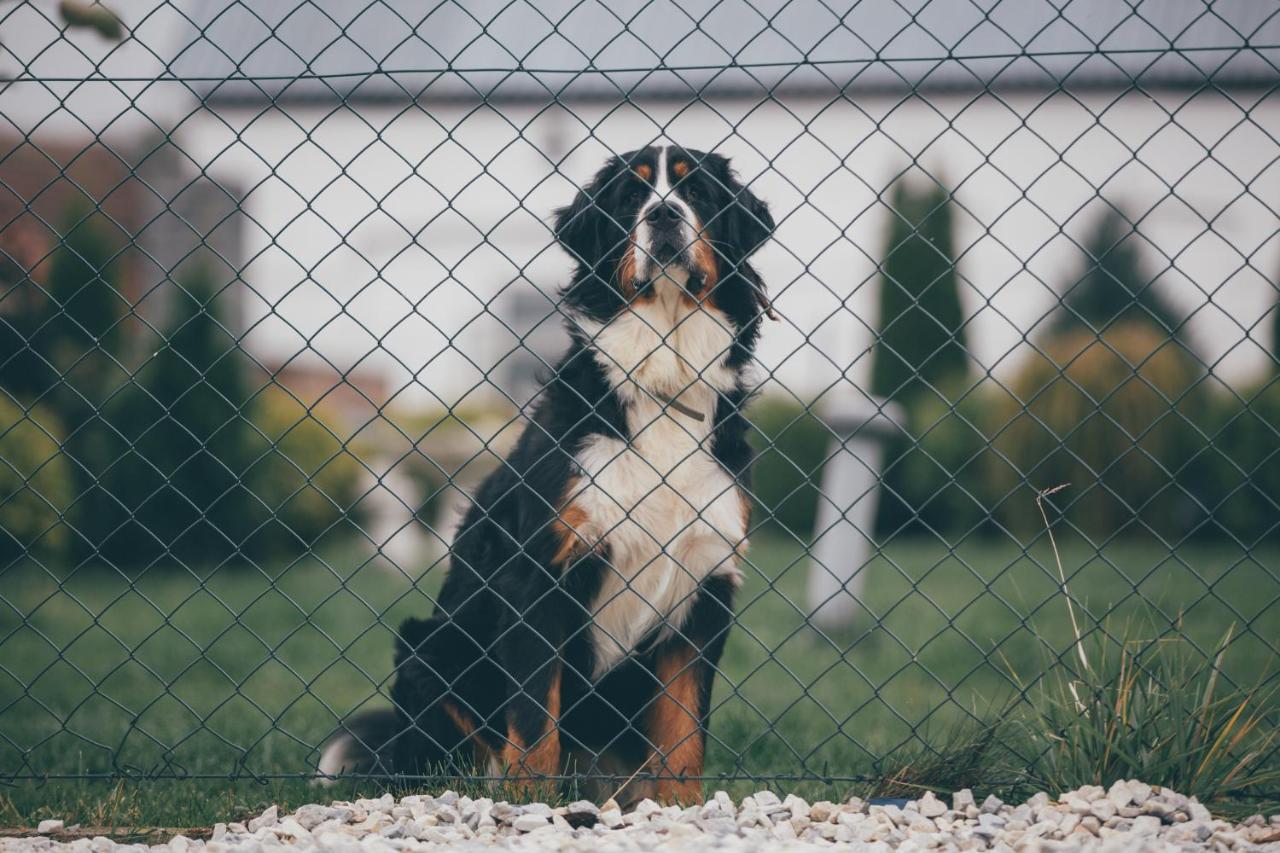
(243, 673)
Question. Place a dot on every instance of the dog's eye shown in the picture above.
(636, 194)
(692, 191)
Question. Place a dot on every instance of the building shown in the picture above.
(398, 164)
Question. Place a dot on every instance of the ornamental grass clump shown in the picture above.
(1161, 711)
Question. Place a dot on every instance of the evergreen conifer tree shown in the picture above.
(920, 338)
(1112, 287)
(185, 439)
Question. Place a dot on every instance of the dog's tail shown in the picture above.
(363, 745)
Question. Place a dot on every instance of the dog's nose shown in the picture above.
(664, 213)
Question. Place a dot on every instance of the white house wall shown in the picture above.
(383, 231)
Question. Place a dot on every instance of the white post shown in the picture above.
(849, 493)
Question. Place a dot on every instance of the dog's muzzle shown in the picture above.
(667, 232)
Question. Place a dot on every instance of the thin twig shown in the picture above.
(1062, 577)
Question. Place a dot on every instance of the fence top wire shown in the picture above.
(570, 49)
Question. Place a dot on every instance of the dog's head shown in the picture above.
(665, 216)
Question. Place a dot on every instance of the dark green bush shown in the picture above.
(62, 347)
(1118, 416)
(305, 482)
(791, 444)
(35, 485)
(178, 442)
(1111, 286)
(1236, 477)
(937, 475)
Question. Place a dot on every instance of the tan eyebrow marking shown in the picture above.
(681, 168)
(645, 171)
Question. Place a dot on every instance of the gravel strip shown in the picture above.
(1130, 816)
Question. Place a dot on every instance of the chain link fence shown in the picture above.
(280, 286)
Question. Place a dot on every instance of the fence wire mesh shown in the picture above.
(281, 286)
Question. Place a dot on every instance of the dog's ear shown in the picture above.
(753, 222)
(577, 227)
(748, 225)
(750, 222)
(583, 226)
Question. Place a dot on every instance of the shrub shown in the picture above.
(60, 342)
(305, 483)
(1236, 477)
(791, 444)
(936, 476)
(177, 444)
(920, 349)
(1114, 415)
(35, 485)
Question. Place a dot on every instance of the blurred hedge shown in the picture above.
(921, 337)
(35, 482)
(203, 468)
(1237, 473)
(791, 444)
(937, 474)
(1118, 416)
(1126, 417)
(304, 483)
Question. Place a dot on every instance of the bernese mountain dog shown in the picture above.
(590, 587)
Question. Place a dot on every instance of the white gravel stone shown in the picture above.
(267, 818)
(1120, 795)
(1160, 820)
(991, 805)
(930, 806)
(962, 799)
(583, 807)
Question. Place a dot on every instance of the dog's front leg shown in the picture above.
(677, 718)
(674, 724)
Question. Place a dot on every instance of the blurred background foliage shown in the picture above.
(163, 444)
(186, 448)
(1114, 402)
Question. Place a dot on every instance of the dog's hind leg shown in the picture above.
(428, 729)
(444, 730)
(530, 653)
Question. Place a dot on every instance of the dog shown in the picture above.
(591, 582)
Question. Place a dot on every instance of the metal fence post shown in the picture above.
(847, 501)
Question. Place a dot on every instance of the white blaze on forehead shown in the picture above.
(661, 184)
(662, 192)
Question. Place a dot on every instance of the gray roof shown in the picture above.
(517, 49)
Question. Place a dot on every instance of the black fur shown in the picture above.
(507, 618)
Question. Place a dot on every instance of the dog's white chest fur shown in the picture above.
(669, 515)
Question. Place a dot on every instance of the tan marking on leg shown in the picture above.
(674, 729)
(541, 759)
(470, 729)
(460, 718)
